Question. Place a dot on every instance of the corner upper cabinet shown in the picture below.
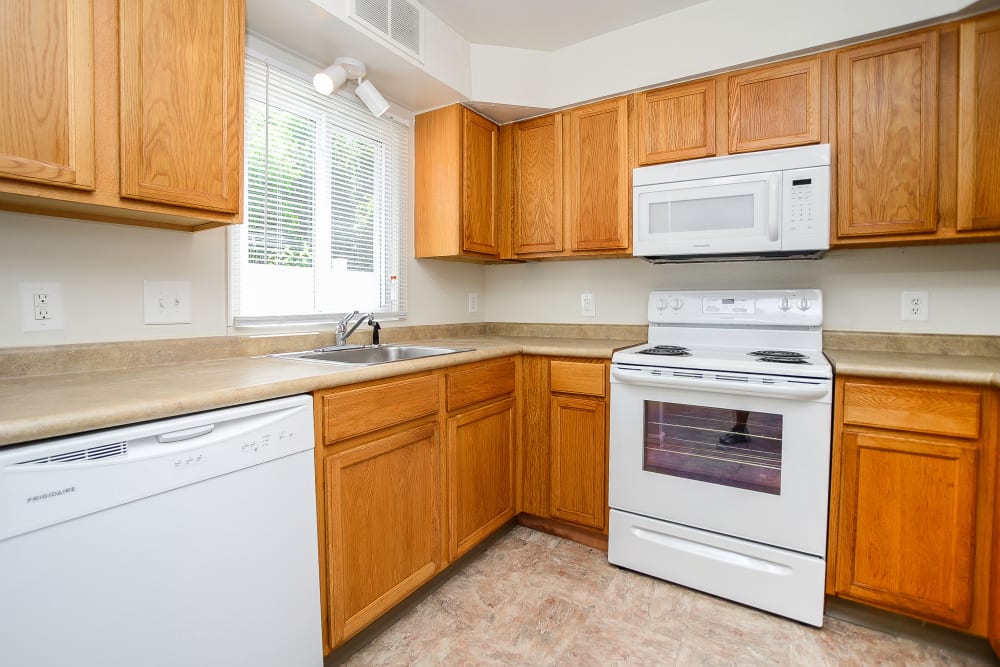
(776, 106)
(598, 178)
(887, 137)
(47, 87)
(676, 123)
(456, 185)
(538, 185)
(979, 125)
(182, 102)
(123, 111)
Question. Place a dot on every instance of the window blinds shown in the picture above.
(325, 206)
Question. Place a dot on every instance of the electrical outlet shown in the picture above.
(587, 306)
(915, 306)
(166, 302)
(41, 306)
(473, 302)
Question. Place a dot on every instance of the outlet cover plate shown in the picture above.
(41, 306)
(166, 302)
(587, 306)
(915, 306)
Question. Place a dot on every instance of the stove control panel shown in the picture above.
(801, 308)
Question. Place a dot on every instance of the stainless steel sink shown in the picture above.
(371, 355)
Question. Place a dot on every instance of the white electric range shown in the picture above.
(720, 447)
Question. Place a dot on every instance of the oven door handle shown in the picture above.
(800, 391)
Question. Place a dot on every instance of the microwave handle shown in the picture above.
(774, 208)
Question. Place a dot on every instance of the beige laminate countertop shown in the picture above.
(45, 406)
(917, 366)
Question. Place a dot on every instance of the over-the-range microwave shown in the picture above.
(769, 204)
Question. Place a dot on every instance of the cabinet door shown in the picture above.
(887, 114)
(480, 474)
(538, 182)
(182, 102)
(907, 522)
(676, 123)
(775, 107)
(480, 172)
(598, 177)
(579, 469)
(47, 88)
(383, 517)
(979, 125)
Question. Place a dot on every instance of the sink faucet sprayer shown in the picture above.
(343, 333)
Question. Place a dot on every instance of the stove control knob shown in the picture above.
(784, 304)
(804, 304)
(661, 304)
(676, 304)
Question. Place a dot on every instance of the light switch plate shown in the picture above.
(166, 302)
(41, 306)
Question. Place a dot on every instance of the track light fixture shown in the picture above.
(336, 75)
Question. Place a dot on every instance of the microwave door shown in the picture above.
(720, 215)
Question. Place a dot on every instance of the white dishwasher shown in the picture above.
(186, 541)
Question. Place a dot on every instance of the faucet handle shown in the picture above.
(342, 324)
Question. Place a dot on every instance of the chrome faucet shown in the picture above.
(343, 332)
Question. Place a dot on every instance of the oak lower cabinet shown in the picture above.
(456, 185)
(380, 502)
(480, 457)
(564, 443)
(383, 525)
(139, 116)
(912, 508)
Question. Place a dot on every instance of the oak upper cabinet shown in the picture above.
(979, 125)
(128, 112)
(675, 123)
(598, 177)
(182, 102)
(572, 189)
(776, 106)
(538, 185)
(578, 439)
(912, 498)
(480, 452)
(457, 177)
(887, 137)
(47, 88)
(380, 506)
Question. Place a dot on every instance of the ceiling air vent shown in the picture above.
(396, 21)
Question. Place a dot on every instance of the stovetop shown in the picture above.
(756, 359)
(775, 332)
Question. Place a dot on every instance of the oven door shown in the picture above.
(749, 466)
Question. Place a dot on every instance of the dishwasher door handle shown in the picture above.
(185, 434)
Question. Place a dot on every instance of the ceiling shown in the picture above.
(545, 25)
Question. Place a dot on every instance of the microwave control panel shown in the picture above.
(805, 208)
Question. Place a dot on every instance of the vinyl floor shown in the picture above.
(536, 599)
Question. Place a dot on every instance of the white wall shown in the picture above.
(102, 266)
(709, 36)
(862, 288)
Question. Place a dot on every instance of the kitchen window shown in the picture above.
(324, 206)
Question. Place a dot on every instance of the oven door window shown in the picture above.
(736, 448)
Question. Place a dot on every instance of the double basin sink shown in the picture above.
(369, 355)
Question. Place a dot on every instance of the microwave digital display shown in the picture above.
(802, 181)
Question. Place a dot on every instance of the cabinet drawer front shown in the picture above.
(479, 384)
(357, 411)
(574, 377)
(924, 409)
